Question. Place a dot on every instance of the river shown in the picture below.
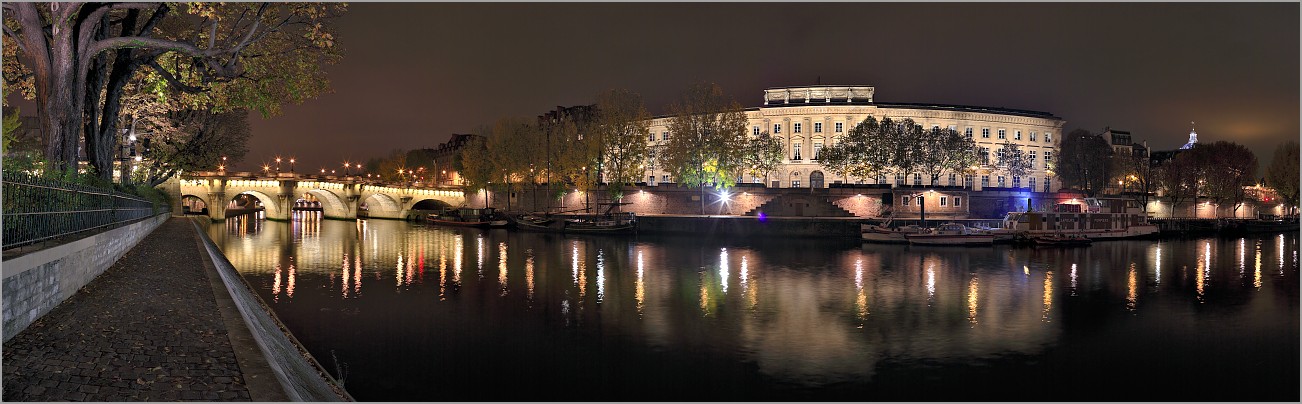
(411, 312)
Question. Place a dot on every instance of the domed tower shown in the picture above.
(1193, 138)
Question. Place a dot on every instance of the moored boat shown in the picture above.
(885, 233)
(951, 234)
(1061, 240)
(461, 217)
(1096, 219)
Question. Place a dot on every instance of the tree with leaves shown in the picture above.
(1282, 174)
(76, 61)
(476, 165)
(945, 150)
(1010, 159)
(1229, 168)
(1084, 161)
(621, 127)
(707, 137)
(763, 155)
(901, 140)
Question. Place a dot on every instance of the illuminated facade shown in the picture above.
(806, 119)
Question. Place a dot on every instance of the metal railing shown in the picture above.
(39, 209)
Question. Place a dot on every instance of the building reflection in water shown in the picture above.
(806, 325)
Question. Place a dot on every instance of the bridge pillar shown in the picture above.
(217, 205)
(284, 200)
(352, 195)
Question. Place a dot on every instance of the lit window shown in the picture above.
(795, 183)
(796, 128)
(967, 132)
(943, 201)
(985, 133)
(818, 127)
(1003, 134)
(777, 128)
(1001, 181)
(905, 200)
(840, 127)
(795, 155)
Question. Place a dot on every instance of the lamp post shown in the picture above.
(291, 164)
(265, 169)
(277, 164)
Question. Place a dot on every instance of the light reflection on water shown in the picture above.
(806, 317)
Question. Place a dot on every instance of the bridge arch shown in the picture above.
(430, 204)
(332, 205)
(193, 207)
(382, 206)
(268, 203)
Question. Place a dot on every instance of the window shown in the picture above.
(795, 183)
(985, 155)
(1048, 137)
(1003, 134)
(795, 128)
(651, 137)
(953, 128)
(664, 135)
(754, 179)
(795, 154)
(958, 201)
(777, 128)
(818, 127)
(651, 153)
(935, 127)
(985, 133)
(664, 178)
(985, 181)
(755, 131)
(818, 147)
(967, 182)
(1030, 183)
(905, 200)
(881, 179)
(840, 127)
(1017, 181)
(899, 179)
(1048, 156)
(1017, 135)
(1002, 183)
(1046, 184)
(1032, 136)
(651, 180)
(943, 201)
(952, 177)
(967, 132)
(917, 179)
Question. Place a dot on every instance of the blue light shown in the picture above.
(761, 216)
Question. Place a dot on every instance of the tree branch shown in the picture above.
(14, 36)
(171, 80)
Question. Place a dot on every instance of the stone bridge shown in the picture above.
(338, 197)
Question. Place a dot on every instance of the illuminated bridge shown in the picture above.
(337, 197)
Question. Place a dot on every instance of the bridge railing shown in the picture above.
(39, 209)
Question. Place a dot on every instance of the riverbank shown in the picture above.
(158, 325)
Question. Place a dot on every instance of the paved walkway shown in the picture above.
(154, 327)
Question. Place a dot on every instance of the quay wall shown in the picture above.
(36, 282)
(750, 226)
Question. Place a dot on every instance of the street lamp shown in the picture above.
(265, 168)
(291, 164)
(277, 164)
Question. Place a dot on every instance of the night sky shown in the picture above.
(413, 74)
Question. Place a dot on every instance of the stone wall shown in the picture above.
(36, 282)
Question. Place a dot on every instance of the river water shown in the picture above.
(411, 312)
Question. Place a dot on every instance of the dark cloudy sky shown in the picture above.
(414, 73)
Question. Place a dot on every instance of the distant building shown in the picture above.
(807, 118)
(578, 113)
(1193, 138)
(447, 158)
(1123, 144)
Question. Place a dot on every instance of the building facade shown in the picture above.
(807, 119)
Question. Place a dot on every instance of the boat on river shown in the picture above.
(609, 223)
(468, 217)
(1061, 240)
(886, 232)
(951, 234)
(1095, 218)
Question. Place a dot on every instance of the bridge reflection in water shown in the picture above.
(414, 312)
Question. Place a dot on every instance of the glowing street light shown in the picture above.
(291, 164)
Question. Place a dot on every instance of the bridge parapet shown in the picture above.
(342, 198)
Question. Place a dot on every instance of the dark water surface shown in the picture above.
(410, 312)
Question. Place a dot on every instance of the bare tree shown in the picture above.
(1083, 161)
(1282, 174)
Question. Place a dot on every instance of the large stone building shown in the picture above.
(807, 119)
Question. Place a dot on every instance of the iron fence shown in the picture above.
(39, 209)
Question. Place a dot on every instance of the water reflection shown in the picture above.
(666, 308)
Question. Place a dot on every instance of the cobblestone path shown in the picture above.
(148, 329)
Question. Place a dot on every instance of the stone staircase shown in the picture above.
(800, 206)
